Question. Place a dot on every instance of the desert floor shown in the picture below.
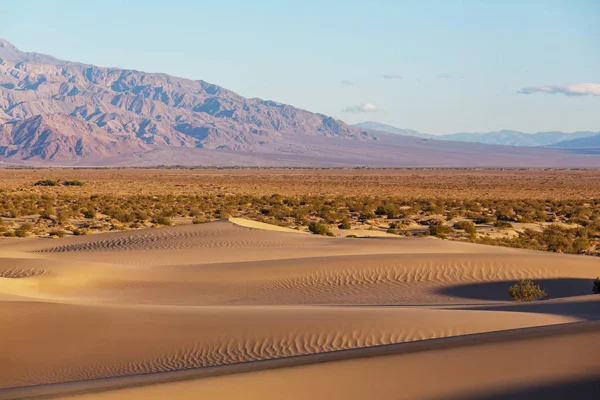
(233, 309)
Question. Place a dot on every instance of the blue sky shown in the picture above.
(433, 66)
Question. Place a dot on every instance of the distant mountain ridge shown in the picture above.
(60, 113)
(580, 143)
(503, 137)
(137, 110)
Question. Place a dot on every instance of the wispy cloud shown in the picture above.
(391, 76)
(575, 89)
(445, 76)
(347, 82)
(362, 108)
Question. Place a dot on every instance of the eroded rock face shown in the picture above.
(57, 110)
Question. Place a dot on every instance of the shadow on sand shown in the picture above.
(498, 291)
(582, 388)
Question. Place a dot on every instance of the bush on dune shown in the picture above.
(526, 290)
(319, 229)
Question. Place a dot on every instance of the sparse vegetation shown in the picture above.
(526, 290)
(74, 182)
(46, 182)
(596, 288)
(319, 229)
(503, 225)
(467, 226)
(440, 231)
(136, 199)
(163, 220)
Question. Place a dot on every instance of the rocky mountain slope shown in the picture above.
(109, 109)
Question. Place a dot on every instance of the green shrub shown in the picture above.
(46, 182)
(89, 213)
(162, 220)
(58, 233)
(526, 290)
(344, 225)
(319, 229)
(391, 230)
(485, 220)
(596, 288)
(439, 230)
(503, 225)
(73, 183)
(466, 226)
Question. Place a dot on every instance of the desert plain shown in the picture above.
(231, 307)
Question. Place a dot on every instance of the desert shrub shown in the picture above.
(46, 182)
(199, 220)
(503, 225)
(319, 228)
(163, 220)
(439, 230)
(23, 230)
(89, 213)
(80, 232)
(485, 219)
(367, 215)
(58, 233)
(391, 230)
(526, 290)
(10, 234)
(344, 225)
(596, 288)
(581, 245)
(73, 183)
(351, 236)
(466, 226)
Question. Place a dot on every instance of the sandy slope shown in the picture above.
(521, 368)
(221, 294)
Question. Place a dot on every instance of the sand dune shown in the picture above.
(225, 294)
(521, 368)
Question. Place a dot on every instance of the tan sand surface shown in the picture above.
(517, 368)
(222, 294)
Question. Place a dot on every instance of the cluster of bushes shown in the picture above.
(50, 182)
(330, 210)
(440, 231)
(553, 238)
(133, 211)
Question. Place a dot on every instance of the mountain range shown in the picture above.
(503, 137)
(55, 112)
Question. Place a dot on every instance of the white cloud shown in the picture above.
(392, 76)
(575, 89)
(347, 82)
(362, 108)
